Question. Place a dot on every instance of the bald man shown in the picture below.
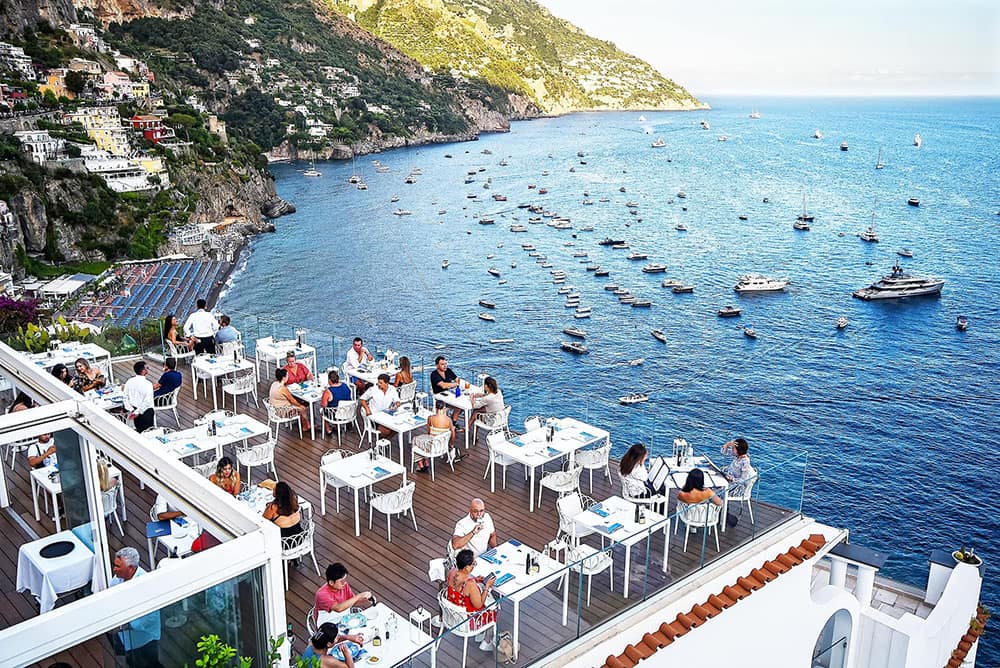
(475, 531)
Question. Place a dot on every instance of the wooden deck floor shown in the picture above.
(397, 571)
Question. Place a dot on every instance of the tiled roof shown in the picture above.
(976, 628)
(716, 604)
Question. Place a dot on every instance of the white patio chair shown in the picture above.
(218, 414)
(261, 454)
(590, 561)
(595, 459)
(369, 431)
(279, 415)
(206, 469)
(743, 491)
(179, 353)
(166, 402)
(299, 546)
(569, 506)
(203, 377)
(240, 385)
(343, 414)
(407, 394)
(561, 482)
(262, 356)
(329, 480)
(109, 501)
(311, 621)
(17, 447)
(704, 515)
(430, 447)
(532, 422)
(456, 621)
(490, 422)
(398, 502)
(637, 493)
(499, 459)
(229, 347)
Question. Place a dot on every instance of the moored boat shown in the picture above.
(489, 317)
(900, 284)
(575, 331)
(750, 332)
(493, 271)
(654, 268)
(961, 323)
(634, 398)
(729, 312)
(659, 335)
(574, 347)
(485, 303)
(842, 322)
(682, 289)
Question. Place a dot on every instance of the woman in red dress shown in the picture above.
(472, 594)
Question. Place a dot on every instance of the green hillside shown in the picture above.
(520, 46)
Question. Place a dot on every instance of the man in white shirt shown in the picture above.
(381, 397)
(42, 452)
(202, 325)
(357, 356)
(138, 399)
(164, 510)
(475, 531)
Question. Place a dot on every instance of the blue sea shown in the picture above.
(893, 417)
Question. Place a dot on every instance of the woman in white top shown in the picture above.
(490, 400)
(633, 468)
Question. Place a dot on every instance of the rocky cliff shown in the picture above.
(16, 15)
(228, 191)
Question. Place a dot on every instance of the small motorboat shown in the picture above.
(634, 398)
(742, 216)
(730, 312)
(913, 201)
(642, 303)
(501, 340)
(602, 272)
(581, 315)
(575, 331)
(681, 195)
(961, 323)
(654, 268)
(402, 212)
(592, 267)
(843, 146)
(612, 287)
(750, 332)
(636, 255)
(487, 221)
(444, 264)
(394, 198)
(637, 361)
(904, 252)
(659, 335)
(801, 225)
(682, 289)
(488, 317)
(670, 283)
(493, 271)
(681, 227)
(485, 303)
(842, 322)
(574, 347)
(513, 265)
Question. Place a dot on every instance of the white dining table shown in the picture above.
(46, 578)
(107, 398)
(213, 367)
(507, 562)
(309, 392)
(714, 478)
(258, 497)
(402, 421)
(463, 402)
(614, 519)
(196, 440)
(407, 641)
(276, 351)
(370, 371)
(68, 353)
(46, 479)
(358, 472)
(177, 543)
(532, 450)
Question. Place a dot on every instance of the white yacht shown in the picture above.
(817, 135)
(654, 268)
(899, 284)
(576, 332)
(402, 212)
(312, 171)
(636, 255)
(870, 235)
(574, 347)
(659, 335)
(658, 143)
(489, 317)
(633, 398)
(842, 322)
(750, 283)
(917, 140)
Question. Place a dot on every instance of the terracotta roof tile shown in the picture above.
(735, 592)
(701, 612)
(678, 629)
(751, 584)
(667, 630)
(776, 567)
(639, 652)
(656, 640)
(687, 621)
(613, 662)
(800, 553)
(721, 601)
(817, 539)
(710, 609)
(788, 560)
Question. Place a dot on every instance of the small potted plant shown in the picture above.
(967, 556)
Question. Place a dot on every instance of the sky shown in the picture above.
(809, 47)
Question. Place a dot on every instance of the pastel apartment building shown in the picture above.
(151, 127)
(38, 146)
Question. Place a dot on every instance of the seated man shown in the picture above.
(380, 397)
(227, 333)
(42, 453)
(138, 642)
(357, 356)
(170, 379)
(444, 379)
(336, 595)
(165, 511)
(475, 531)
(297, 371)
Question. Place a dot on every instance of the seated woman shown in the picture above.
(87, 377)
(405, 373)
(182, 344)
(282, 399)
(694, 490)
(335, 392)
(284, 510)
(739, 469)
(23, 402)
(490, 400)
(332, 648)
(633, 469)
(62, 373)
(226, 476)
(439, 423)
(104, 477)
(472, 594)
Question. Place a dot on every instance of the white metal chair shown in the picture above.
(369, 431)
(299, 546)
(532, 422)
(240, 385)
(261, 454)
(398, 502)
(311, 621)
(458, 622)
(743, 491)
(496, 458)
(561, 482)
(279, 415)
(229, 347)
(595, 459)
(343, 414)
(636, 492)
(569, 506)
(704, 515)
(590, 561)
(17, 447)
(166, 402)
(179, 353)
(206, 469)
(490, 422)
(430, 447)
(329, 480)
(262, 356)
(109, 501)
(407, 394)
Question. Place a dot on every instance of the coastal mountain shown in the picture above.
(519, 46)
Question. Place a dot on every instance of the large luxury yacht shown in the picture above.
(757, 283)
(900, 284)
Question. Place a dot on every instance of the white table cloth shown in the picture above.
(402, 421)
(213, 367)
(357, 472)
(509, 559)
(47, 578)
(618, 514)
(370, 371)
(46, 479)
(407, 640)
(107, 398)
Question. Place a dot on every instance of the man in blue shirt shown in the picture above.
(227, 333)
(139, 640)
(170, 380)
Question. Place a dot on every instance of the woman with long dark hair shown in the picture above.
(694, 490)
(284, 510)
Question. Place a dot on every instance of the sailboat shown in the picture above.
(870, 235)
(878, 163)
(917, 140)
(804, 216)
(754, 114)
(312, 171)
(354, 173)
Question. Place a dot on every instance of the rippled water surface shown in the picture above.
(896, 413)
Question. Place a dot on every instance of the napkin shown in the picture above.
(503, 579)
(614, 527)
(598, 510)
(553, 452)
(190, 446)
(246, 430)
(518, 442)
(489, 557)
(514, 542)
(379, 472)
(162, 439)
(587, 436)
